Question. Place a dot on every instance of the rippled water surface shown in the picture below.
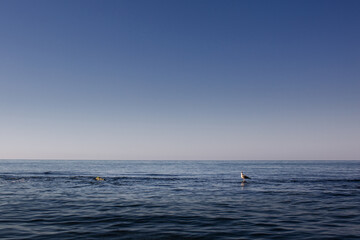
(179, 200)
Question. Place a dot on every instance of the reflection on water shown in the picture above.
(243, 183)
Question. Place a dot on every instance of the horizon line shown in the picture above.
(61, 159)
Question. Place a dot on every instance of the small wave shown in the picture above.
(325, 180)
(161, 175)
(163, 178)
(114, 180)
(60, 173)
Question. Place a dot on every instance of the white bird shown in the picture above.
(243, 176)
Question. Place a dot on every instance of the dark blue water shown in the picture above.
(179, 200)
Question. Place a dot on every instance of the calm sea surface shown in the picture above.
(179, 200)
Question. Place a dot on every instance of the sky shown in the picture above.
(180, 80)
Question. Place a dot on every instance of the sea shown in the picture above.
(61, 199)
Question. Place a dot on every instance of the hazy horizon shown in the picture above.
(180, 80)
(180, 160)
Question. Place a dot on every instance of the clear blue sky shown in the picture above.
(179, 79)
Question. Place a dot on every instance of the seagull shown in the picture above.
(243, 176)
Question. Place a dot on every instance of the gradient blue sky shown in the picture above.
(179, 79)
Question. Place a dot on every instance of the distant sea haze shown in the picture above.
(179, 199)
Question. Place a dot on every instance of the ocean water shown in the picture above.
(179, 200)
